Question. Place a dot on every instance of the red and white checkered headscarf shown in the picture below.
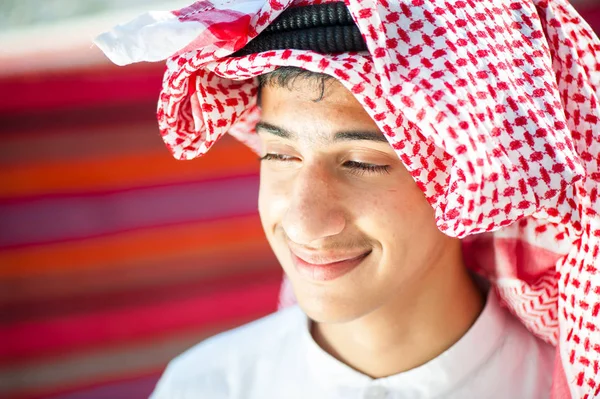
(492, 105)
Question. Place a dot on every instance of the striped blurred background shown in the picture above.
(114, 257)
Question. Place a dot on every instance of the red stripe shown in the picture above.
(258, 269)
(78, 117)
(107, 85)
(69, 334)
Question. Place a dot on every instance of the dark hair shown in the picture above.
(286, 77)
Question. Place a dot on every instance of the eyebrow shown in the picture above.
(339, 136)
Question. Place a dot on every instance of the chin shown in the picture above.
(324, 307)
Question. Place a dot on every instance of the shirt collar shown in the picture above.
(433, 378)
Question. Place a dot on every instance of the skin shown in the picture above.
(331, 186)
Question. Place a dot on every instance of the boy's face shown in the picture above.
(345, 219)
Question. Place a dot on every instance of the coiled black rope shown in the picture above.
(324, 28)
(295, 18)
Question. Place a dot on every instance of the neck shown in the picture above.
(411, 329)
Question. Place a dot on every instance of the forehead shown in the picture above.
(307, 107)
(313, 88)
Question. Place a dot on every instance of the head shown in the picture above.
(347, 222)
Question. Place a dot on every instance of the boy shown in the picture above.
(430, 126)
(380, 288)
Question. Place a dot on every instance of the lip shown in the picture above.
(325, 268)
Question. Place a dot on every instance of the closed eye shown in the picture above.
(360, 168)
(276, 157)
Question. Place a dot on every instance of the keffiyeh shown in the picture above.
(492, 105)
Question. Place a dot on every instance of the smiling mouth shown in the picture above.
(326, 268)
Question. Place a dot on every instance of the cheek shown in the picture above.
(414, 232)
(395, 215)
(272, 200)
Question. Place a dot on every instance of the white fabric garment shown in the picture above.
(276, 358)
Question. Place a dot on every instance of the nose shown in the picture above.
(315, 210)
